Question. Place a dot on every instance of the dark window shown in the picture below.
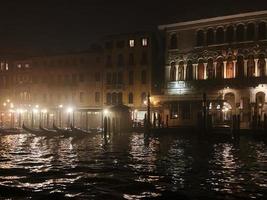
(143, 77)
(210, 36)
(239, 67)
(131, 77)
(251, 31)
(97, 76)
(131, 59)
(109, 77)
(189, 71)
(120, 77)
(220, 35)
(262, 31)
(200, 38)
(120, 61)
(114, 98)
(130, 98)
(97, 97)
(109, 45)
(144, 60)
(240, 33)
(230, 34)
(108, 61)
(81, 77)
(120, 44)
(173, 42)
(173, 72)
(185, 111)
(81, 97)
(108, 98)
(114, 78)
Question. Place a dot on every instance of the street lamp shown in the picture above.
(69, 111)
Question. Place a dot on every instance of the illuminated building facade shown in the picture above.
(50, 87)
(131, 67)
(224, 57)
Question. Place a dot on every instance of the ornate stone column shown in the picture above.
(224, 69)
(215, 69)
(195, 71)
(205, 70)
(265, 67)
(185, 72)
(234, 61)
(256, 67)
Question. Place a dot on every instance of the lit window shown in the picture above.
(19, 65)
(27, 65)
(131, 43)
(144, 42)
(6, 66)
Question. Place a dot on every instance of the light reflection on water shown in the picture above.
(132, 166)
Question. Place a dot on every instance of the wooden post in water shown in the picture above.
(105, 126)
(204, 111)
(265, 122)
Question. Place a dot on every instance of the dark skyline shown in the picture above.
(74, 25)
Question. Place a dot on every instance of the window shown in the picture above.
(230, 34)
(131, 59)
(240, 33)
(108, 98)
(130, 98)
(120, 44)
(97, 76)
(120, 77)
(250, 31)
(262, 31)
(144, 42)
(181, 71)
(108, 61)
(210, 36)
(143, 77)
(81, 77)
(131, 43)
(109, 77)
(97, 97)
(173, 72)
(200, 38)
(27, 65)
(19, 66)
(210, 71)
(120, 61)
(6, 66)
(114, 98)
(144, 60)
(219, 35)
(81, 97)
(189, 71)
(173, 42)
(131, 77)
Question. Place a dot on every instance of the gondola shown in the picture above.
(45, 130)
(33, 131)
(62, 131)
(78, 130)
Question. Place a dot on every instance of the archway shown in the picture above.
(261, 65)
(173, 72)
(230, 68)
(200, 70)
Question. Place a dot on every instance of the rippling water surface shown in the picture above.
(131, 166)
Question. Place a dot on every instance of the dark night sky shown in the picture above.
(28, 26)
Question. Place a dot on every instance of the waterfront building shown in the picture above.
(223, 57)
(131, 71)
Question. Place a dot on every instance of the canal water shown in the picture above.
(131, 166)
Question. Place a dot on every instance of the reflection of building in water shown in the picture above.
(224, 57)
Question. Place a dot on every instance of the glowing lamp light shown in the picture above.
(11, 105)
(4, 104)
(36, 106)
(70, 110)
(60, 106)
(8, 100)
(135, 111)
(35, 110)
(44, 111)
(106, 111)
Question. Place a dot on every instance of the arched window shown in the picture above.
(219, 68)
(230, 34)
(130, 98)
(210, 36)
(189, 71)
(120, 98)
(200, 38)
(173, 42)
(250, 31)
(173, 72)
(240, 32)
(230, 100)
(181, 71)
(200, 70)
(251, 66)
(230, 68)
(114, 98)
(240, 66)
(262, 31)
(219, 35)
(120, 61)
(210, 69)
(261, 65)
(260, 98)
(108, 98)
